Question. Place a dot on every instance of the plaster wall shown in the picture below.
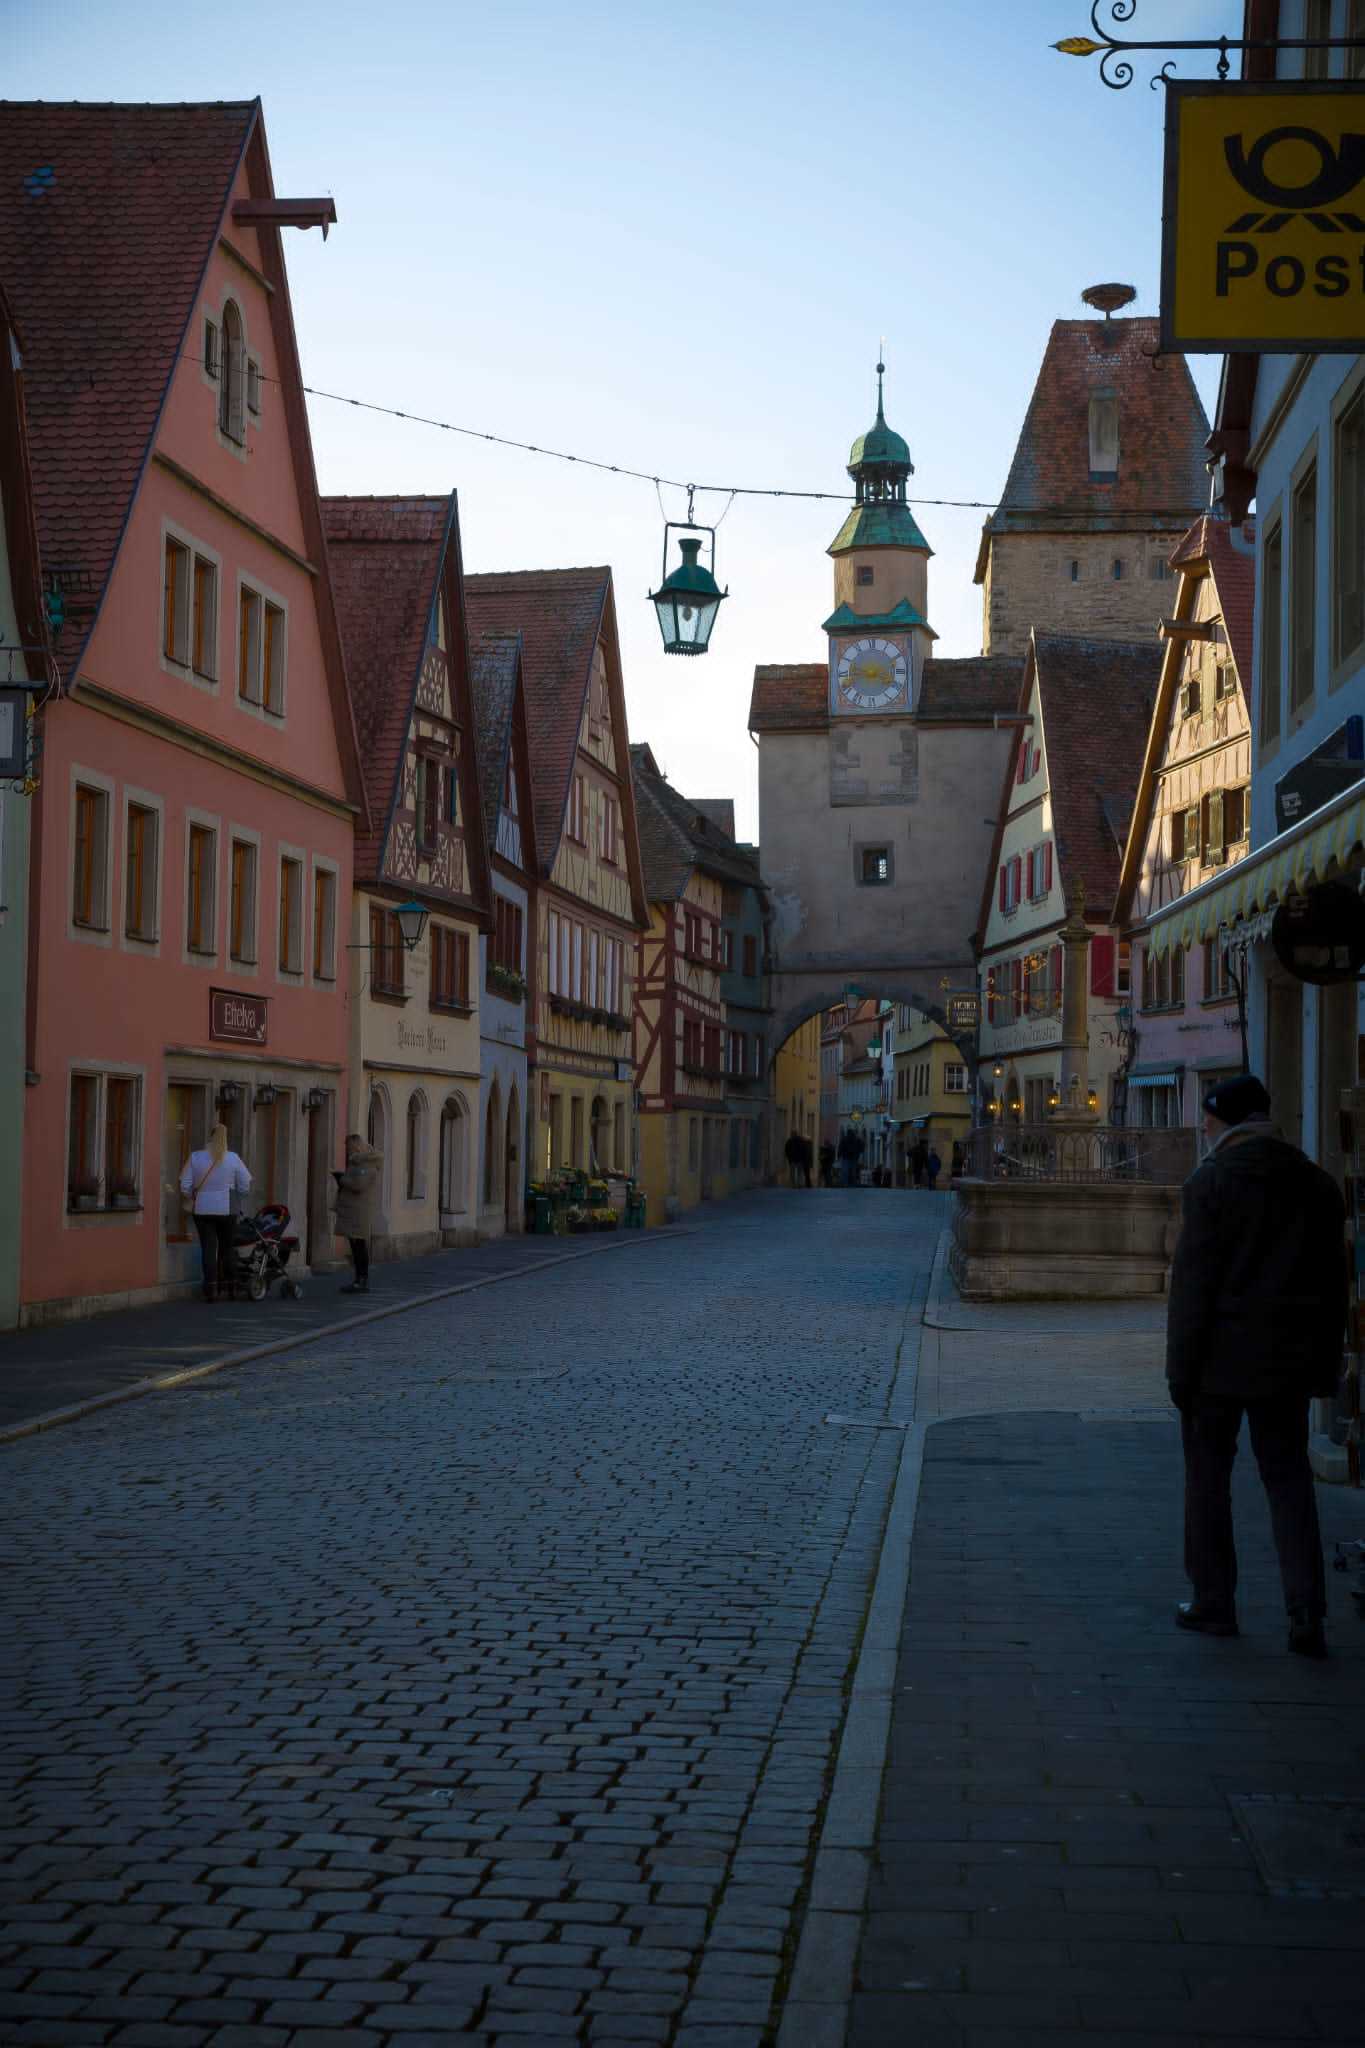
(14, 824)
(896, 573)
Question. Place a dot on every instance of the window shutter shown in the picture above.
(1102, 964)
(1047, 866)
(1003, 884)
(1214, 848)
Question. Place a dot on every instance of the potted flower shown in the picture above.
(123, 1192)
(576, 1218)
(603, 1217)
(84, 1192)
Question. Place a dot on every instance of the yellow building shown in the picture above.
(589, 902)
(796, 1090)
(931, 1099)
(680, 1016)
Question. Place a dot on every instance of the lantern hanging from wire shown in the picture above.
(689, 598)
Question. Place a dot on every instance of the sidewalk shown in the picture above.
(70, 1364)
(1094, 1828)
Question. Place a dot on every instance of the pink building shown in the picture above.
(192, 835)
(1191, 821)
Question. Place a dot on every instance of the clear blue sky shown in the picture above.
(670, 237)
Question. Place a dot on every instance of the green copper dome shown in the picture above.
(881, 444)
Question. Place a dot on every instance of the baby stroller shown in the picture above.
(262, 1248)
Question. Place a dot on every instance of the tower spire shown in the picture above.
(881, 371)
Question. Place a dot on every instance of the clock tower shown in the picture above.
(879, 638)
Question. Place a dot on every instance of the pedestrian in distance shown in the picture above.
(807, 1161)
(793, 1153)
(933, 1167)
(827, 1165)
(357, 1207)
(210, 1178)
(919, 1161)
(1255, 1326)
(850, 1156)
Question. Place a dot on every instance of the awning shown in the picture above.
(1170, 1079)
(1261, 880)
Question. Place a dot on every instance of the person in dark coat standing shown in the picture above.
(827, 1166)
(1255, 1327)
(357, 1200)
(794, 1153)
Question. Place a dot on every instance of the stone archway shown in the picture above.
(797, 997)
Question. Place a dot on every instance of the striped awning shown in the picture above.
(1263, 879)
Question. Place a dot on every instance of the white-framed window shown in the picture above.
(290, 924)
(104, 1139)
(262, 651)
(232, 375)
(141, 868)
(243, 896)
(91, 804)
(189, 606)
(201, 886)
(954, 1078)
(324, 920)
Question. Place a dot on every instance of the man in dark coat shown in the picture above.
(827, 1166)
(1255, 1326)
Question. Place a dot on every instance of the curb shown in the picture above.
(815, 2013)
(53, 1418)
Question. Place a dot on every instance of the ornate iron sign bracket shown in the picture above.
(1117, 72)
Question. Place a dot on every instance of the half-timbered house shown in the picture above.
(589, 897)
(680, 1013)
(504, 951)
(396, 571)
(1191, 821)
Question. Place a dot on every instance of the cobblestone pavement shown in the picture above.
(475, 1676)
(1096, 1830)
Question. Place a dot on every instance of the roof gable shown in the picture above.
(108, 218)
(677, 838)
(1095, 711)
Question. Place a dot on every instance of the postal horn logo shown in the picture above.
(1336, 174)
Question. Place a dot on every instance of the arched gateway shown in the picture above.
(879, 774)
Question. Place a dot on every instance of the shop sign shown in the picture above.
(1263, 219)
(1320, 937)
(1337, 764)
(237, 1018)
(964, 1011)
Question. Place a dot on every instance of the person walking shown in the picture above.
(357, 1206)
(211, 1176)
(807, 1161)
(933, 1167)
(850, 1154)
(919, 1160)
(827, 1156)
(793, 1153)
(1255, 1326)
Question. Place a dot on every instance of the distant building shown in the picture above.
(931, 1098)
(1064, 813)
(1191, 823)
(796, 1091)
(744, 914)
(1109, 472)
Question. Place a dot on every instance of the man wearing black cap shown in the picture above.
(1255, 1326)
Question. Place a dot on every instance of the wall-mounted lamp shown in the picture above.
(228, 1091)
(1092, 1100)
(316, 1098)
(265, 1095)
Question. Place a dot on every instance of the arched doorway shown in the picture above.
(511, 1171)
(454, 1159)
(492, 1149)
(379, 1131)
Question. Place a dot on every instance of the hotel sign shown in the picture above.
(1263, 220)
(239, 1019)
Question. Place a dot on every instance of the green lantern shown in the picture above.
(687, 600)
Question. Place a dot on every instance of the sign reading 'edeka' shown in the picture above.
(1263, 225)
(239, 1018)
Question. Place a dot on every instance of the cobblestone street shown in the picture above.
(478, 1675)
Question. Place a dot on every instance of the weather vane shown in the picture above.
(1117, 72)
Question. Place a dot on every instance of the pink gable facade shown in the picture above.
(198, 804)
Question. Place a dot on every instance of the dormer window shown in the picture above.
(1104, 434)
(232, 381)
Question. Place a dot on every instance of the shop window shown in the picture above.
(140, 872)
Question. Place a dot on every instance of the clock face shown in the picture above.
(871, 674)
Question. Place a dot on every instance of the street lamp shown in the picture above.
(687, 601)
(412, 922)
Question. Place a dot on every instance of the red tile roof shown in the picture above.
(108, 217)
(1161, 475)
(1096, 699)
(1231, 560)
(384, 557)
(676, 837)
(559, 614)
(794, 696)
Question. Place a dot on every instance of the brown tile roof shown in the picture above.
(720, 810)
(675, 837)
(559, 614)
(1162, 432)
(494, 671)
(1096, 699)
(108, 217)
(1231, 560)
(794, 696)
(384, 557)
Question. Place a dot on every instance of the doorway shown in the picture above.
(513, 1209)
(184, 1126)
(318, 1244)
(492, 1149)
(454, 1158)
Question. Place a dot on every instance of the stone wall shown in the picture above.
(1028, 583)
(1062, 1241)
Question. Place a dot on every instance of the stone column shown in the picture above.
(1074, 1086)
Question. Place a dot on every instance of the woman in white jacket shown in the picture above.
(211, 1177)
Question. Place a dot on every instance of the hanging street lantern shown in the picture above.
(412, 922)
(687, 601)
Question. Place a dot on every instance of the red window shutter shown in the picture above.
(1004, 884)
(1102, 964)
(1047, 865)
(1021, 765)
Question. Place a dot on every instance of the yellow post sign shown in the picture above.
(1263, 226)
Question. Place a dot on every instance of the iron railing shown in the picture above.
(1040, 1152)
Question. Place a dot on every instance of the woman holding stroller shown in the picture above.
(212, 1176)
